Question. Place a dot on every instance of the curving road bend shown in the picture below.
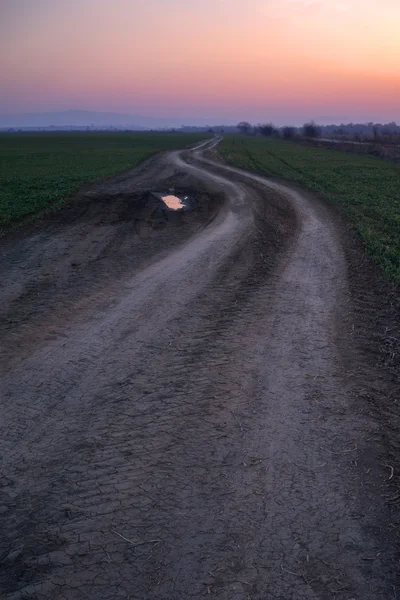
(190, 430)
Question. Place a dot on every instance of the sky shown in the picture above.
(224, 60)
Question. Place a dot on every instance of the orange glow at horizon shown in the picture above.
(278, 58)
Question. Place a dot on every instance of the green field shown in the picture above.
(366, 188)
(40, 171)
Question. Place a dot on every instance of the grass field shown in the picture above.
(40, 171)
(366, 188)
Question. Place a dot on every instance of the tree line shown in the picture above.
(312, 130)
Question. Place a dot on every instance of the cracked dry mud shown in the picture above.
(179, 413)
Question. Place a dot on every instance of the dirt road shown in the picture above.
(178, 411)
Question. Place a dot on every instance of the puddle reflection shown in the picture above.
(173, 202)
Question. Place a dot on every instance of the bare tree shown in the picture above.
(244, 127)
(267, 129)
(288, 132)
(311, 130)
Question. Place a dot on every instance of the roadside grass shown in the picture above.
(366, 188)
(40, 171)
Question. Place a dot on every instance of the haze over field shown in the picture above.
(199, 60)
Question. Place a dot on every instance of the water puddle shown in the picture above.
(175, 202)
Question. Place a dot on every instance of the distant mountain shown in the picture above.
(86, 118)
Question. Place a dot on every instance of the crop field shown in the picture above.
(40, 171)
(366, 188)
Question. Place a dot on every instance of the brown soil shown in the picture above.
(196, 403)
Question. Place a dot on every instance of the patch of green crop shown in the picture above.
(40, 171)
(366, 188)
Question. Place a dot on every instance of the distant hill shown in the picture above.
(86, 118)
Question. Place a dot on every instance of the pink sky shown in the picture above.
(281, 60)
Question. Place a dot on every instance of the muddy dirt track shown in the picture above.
(183, 409)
